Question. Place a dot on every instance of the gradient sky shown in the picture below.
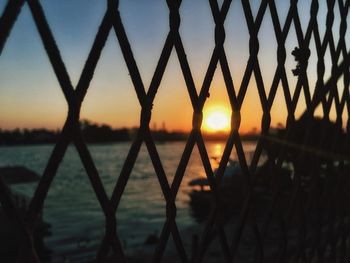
(31, 96)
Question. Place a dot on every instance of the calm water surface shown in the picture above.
(71, 206)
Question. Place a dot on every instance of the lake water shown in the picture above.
(71, 206)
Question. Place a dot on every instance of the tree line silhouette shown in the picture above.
(92, 133)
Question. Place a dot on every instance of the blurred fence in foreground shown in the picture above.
(295, 208)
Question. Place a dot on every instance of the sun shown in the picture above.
(217, 119)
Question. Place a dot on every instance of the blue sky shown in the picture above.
(31, 96)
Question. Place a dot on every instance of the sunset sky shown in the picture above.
(31, 96)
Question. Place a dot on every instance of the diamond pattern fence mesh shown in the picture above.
(308, 211)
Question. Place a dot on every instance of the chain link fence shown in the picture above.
(306, 210)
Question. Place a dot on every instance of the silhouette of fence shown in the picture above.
(311, 215)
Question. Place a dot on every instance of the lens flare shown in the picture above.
(217, 120)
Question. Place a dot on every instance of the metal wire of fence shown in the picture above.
(312, 216)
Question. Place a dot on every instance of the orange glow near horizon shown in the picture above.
(216, 119)
(31, 96)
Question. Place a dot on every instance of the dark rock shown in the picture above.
(152, 240)
(18, 175)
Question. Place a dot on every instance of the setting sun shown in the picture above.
(217, 119)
